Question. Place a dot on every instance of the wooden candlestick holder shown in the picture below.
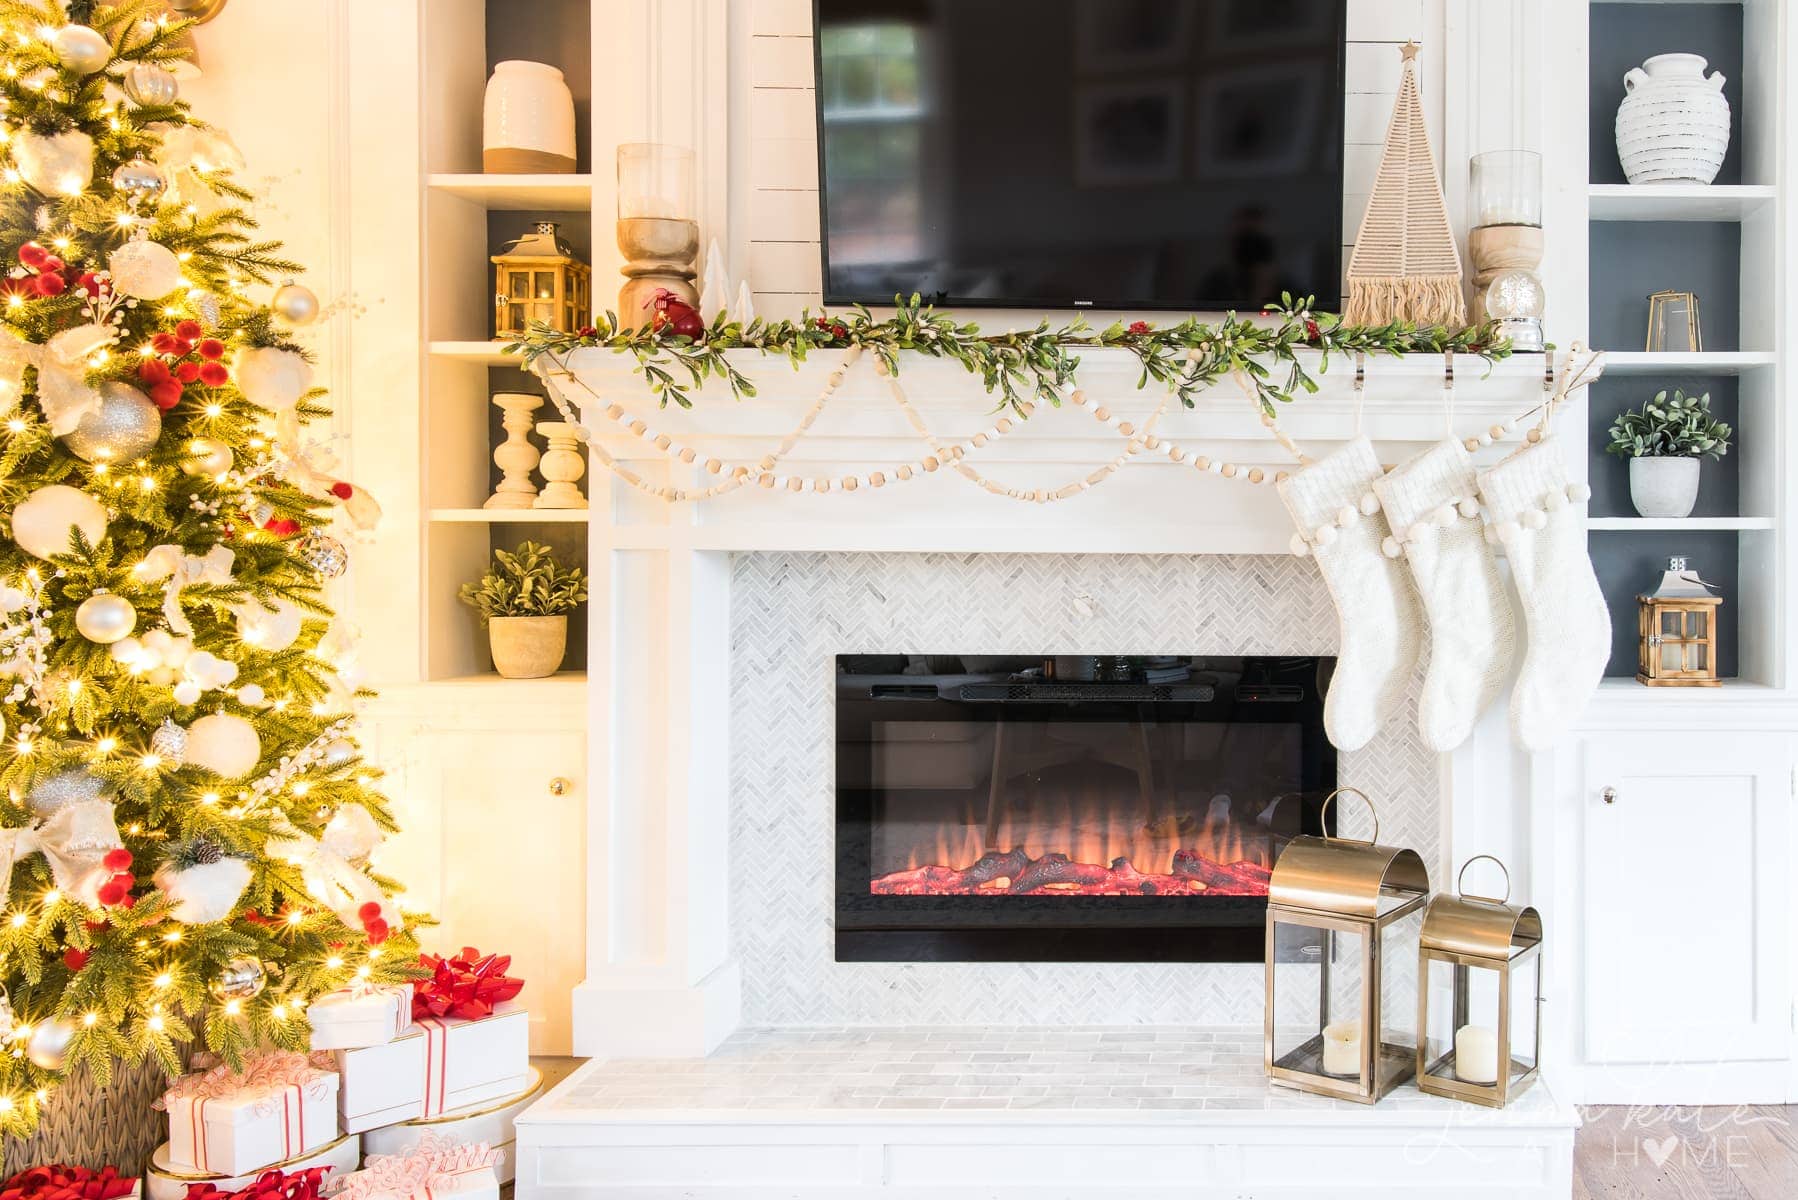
(515, 457)
(659, 252)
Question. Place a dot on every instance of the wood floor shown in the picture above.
(1747, 1153)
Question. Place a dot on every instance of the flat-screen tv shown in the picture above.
(1113, 154)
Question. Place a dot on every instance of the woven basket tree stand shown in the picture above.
(88, 1126)
(1406, 265)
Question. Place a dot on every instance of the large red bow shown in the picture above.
(467, 986)
(270, 1185)
(59, 1182)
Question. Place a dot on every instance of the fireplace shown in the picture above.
(1074, 808)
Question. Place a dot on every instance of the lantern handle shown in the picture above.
(1324, 812)
(1501, 866)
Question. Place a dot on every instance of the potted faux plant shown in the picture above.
(524, 600)
(1663, 440)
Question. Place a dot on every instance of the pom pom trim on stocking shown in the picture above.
(1536, 516)
(1442, 517)
(1324, 535)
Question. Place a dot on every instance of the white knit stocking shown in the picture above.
(1430, 506)
(1338, 520)
(1539, 519)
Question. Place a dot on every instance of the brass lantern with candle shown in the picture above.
(1343, 920)
(1677, 623)
(1479, 996)
(538, 278)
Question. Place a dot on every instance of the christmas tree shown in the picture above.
(188, 821)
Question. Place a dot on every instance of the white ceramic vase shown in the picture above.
(1673, 124)
(527, 121)
(1663, 487)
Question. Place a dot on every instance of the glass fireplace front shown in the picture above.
(1077, 808)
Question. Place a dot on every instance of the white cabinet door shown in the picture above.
(493, 844)
(1686, 899)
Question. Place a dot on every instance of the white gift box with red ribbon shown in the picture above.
(436, 1168)
(439, 1065)
(363, 1014)
(233, 1124)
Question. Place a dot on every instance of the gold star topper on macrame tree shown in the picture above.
(1406, 265)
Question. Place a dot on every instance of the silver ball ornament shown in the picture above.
(127, 426)
(140, 179)
(208, 456)
(295, 304)
(55, 792)
(48, 1046)
(149, 84)
(240, 979)
(324, 554)
(169, 743)
(105, 618)
(81, 48)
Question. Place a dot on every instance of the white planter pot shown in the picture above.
(527, 121)
(527, 647)
(1663, 487)
(1673, 124)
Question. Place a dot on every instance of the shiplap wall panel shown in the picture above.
(782, 208)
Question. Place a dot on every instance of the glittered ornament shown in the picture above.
(239, 979)
(81, 48)
(169, 743)
(224, 744)
(48, 1046)
(140, 179)
(144, 270)
(105, 618)
(295, 304)
(42, 522)
(56, 164)
(126, 427)
(149, 84)
(58, 791)
(324, 554)
(207, 456)
(205, 306)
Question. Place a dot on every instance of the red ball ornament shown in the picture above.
(117, 860)
(377, 932)
(166, 394)
(369, 912)
(114, 893)
(214, 374)
(189, 331)
(282, 526)
(74, 959)
(343, 489)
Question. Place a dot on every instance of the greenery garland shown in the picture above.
(1022, 364)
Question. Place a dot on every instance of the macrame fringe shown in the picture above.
(1425, 299)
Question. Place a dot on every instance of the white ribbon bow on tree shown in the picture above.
(181, 569)
(62, 388)
(331, 879)
(309, 466)
(75, 840)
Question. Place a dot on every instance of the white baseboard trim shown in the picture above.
(613, 1019)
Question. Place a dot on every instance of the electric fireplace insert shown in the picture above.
(1074, 808)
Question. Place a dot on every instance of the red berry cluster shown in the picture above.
(1139, 328)
(45, 274)
(831, 326)
(181, 358)
(116, 892)
(372, 923)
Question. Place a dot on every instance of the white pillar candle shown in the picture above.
(1476, 1054)
(1342, 1048)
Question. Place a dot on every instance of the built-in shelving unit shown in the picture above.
(468, 216)
(1721, 241)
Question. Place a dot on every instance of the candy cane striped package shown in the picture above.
(231, 1123)
(439, 1065)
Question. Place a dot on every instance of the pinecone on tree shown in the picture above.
(196, 851)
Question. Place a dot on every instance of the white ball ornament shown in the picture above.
(105, 618)
(11, 599)
(187, 692)
(149, 84)
(224, 744)
(56, 164)
(251, 694)
(43, 521)
(272, 378)
(49, 1044)
(267, 629)
(207, 456)
(144, 270)
(81, 48)
(295, 304)
(1299, 546)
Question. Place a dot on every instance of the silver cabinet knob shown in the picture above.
(559, 786)
(1609, 795)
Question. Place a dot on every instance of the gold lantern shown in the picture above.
(1479, 996)
(538, 278)
(1343, 919)
(1677, 623)
(1673, 323)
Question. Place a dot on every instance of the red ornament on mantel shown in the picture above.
(675, 315)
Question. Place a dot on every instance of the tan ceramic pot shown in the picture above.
(527, 647)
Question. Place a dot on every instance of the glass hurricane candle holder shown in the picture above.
(1504, 219)
(657, 229)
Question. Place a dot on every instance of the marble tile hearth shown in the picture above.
(980, 1069)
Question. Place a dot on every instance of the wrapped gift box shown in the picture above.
(228, 1123)
(435, 1168)
(360, 1015)
(489, 1123)
(163, 1180)
(441, 1064)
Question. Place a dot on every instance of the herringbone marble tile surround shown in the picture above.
(792, 613)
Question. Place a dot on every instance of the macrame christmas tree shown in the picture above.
(187, 824)
(1406, 266)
